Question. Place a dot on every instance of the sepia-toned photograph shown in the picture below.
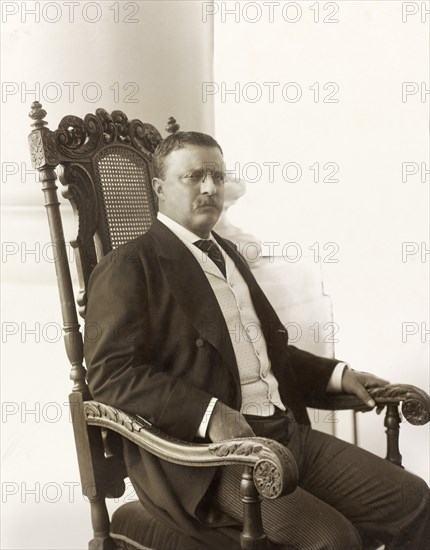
(215, 262)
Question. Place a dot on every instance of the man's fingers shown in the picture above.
(369, 380)
(356, 382)
(360, 391)
(374, 381)
(227, 423)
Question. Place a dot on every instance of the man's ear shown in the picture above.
(157, 185)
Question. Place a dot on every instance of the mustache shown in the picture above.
(205, 200)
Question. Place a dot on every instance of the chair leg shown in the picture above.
(252, 536)
(105, 543)
(392, 423)
(101, 525)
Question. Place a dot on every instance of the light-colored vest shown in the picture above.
(260, 391)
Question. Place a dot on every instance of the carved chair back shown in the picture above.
(104, 163)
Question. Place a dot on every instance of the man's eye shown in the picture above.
(194, 176)
(199, 175)
(218, 178)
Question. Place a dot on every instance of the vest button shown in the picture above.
(200, 343)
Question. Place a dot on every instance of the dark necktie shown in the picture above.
(214, 253)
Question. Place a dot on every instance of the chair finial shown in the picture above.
(172, 125)
(37, 113)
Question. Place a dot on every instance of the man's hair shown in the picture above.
(179, 140)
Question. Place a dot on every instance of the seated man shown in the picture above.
(186, 338)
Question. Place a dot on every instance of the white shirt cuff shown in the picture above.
(335, 383)
(201, 432)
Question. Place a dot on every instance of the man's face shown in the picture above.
(192, 190)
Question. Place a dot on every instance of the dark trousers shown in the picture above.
(346, 495)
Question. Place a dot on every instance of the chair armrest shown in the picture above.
(415, 402)
(275, 471)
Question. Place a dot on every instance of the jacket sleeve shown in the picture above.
(312, 372)
(121, 370)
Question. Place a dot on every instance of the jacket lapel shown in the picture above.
(192, 291)
(210, 267)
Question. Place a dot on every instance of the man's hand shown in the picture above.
(356, 382)
(226, 423)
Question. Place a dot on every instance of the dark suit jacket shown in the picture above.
(156, 344)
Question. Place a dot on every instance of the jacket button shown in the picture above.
(199, 343)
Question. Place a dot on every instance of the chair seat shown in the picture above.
(132, 528)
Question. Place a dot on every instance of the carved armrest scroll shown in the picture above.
(274, 468)
(415, 402)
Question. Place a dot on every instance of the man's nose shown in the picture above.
(207, 186)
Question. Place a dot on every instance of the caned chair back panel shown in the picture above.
(123, 185)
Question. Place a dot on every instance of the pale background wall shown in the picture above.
(368, 213)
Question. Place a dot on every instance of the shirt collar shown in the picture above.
(179, 230)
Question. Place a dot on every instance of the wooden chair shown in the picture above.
(104, 164)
